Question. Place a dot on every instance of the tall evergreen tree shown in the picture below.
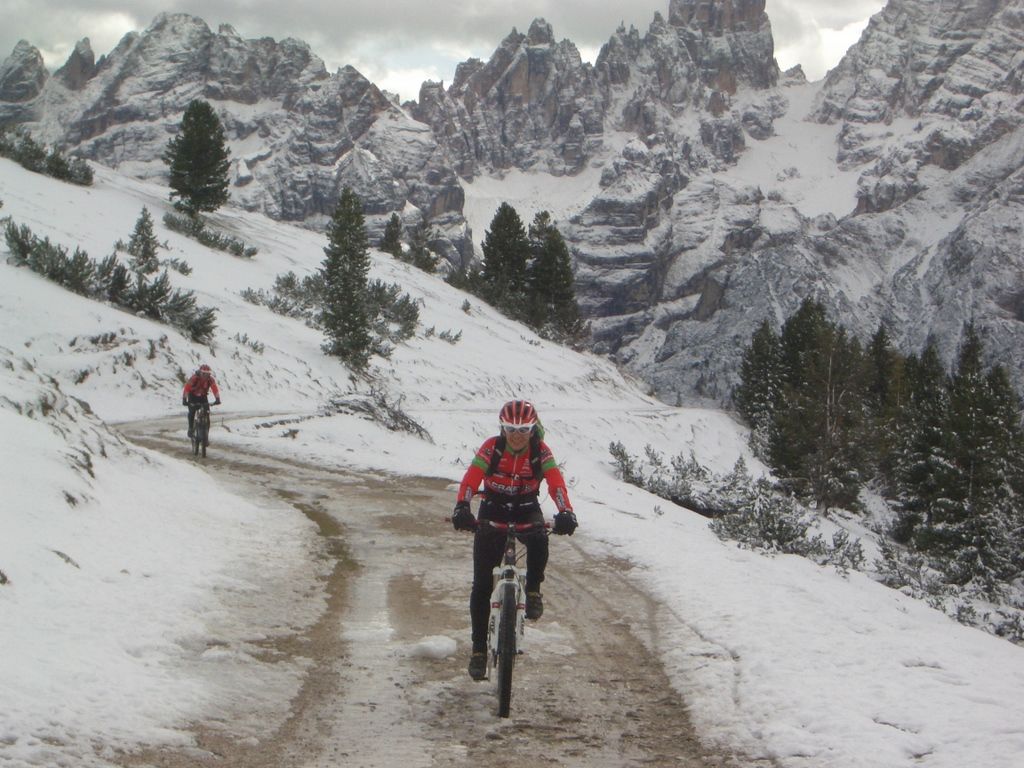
(143, 245)
(759, 393)
(344, 274)
(796, 428)
(972, 519)
(391, 241)
(552, 306)
(800, 339)
(813, 442)
(883, 375)
(198, 160)
(921, 447)
(506, 250)
(836, 386)
(884, 394)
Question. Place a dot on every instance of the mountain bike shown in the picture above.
(505, 627)
(201, 430)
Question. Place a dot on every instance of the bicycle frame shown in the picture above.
(201, 430)
(507, 622)
(506, 575)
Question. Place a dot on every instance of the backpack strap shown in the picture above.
(535, 455)
(499, 449)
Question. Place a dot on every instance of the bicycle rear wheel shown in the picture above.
(202, 432)
(506, 649)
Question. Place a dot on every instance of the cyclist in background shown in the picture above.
(196, 393)
(510, 466)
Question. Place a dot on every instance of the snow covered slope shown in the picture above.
(111, 571)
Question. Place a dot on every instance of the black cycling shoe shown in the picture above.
(478, 665)
(534, 605)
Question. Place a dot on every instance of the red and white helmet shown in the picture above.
(518, 413)
(205, 370)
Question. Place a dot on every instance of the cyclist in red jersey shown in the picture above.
(511, 485)
(196, 392)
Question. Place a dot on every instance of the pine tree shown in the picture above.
(79, 273)
(391, 242)
(836, 467)
(921, 446)
(796, 427)
(884, 394)
(551, 307)
(344, 273)
(149, 297)
(971, 522)
(759, 393)
(506, 252)
(57, 165)
(198, 160)
(112, 280)
(28, 152)
(813, 441)
(420, 255)
(143, 245)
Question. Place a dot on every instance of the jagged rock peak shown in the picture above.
(919, 56)
(23, 74)
(718, 16)
(80, 67)
(540, 33)
(175, 20)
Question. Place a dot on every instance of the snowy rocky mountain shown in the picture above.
(715, 191)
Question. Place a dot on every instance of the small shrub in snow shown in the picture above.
(255, 346)
(376, 406)
(752, 513)
(394, 315)
(142, 247)
(193, 227)
(108, 280)
(32, 156)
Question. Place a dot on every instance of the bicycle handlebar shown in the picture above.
(518, 527)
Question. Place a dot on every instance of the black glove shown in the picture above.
(462, 517)
(184, 401)
(565, 523)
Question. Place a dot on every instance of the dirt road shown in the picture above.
(386, 685)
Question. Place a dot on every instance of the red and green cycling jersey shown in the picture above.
(513, 477)
(198, 386)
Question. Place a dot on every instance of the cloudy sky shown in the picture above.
(400, 43)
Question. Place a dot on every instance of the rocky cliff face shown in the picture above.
(729, 192)
(533, 105)
(927, 110)
(22, 75)
(298, 134)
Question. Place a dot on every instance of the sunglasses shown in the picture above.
(517, 429)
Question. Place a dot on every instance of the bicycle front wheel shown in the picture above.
(203, 432)
(506, 649)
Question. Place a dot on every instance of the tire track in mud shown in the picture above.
(379, 693)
